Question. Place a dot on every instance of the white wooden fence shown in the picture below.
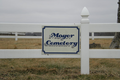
(85, 52)
(98, 37)
(16, 36)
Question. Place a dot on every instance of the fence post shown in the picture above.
(16, 34)
(85, 41)
(92, 35)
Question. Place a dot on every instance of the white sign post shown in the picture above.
(60, 39)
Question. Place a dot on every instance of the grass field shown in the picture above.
(55, 69)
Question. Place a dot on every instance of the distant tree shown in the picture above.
(116, 40)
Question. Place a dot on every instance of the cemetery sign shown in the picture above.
(60, 39)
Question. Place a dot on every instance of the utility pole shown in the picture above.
(115, 44)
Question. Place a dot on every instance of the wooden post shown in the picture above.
(92, 35)
(85, 41)
(16, 34)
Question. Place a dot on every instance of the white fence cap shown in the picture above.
(85, 12)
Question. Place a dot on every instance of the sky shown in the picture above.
(57, 11)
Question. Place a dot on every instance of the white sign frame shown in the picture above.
(56, 28)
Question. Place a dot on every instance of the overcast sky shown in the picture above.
(57, 11)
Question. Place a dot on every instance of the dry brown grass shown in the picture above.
(105, 43)
(20, 44)
(55, 69)
(36, 43)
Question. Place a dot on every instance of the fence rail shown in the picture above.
(27, 37)
(36, 53)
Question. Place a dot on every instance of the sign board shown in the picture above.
(60, 39)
